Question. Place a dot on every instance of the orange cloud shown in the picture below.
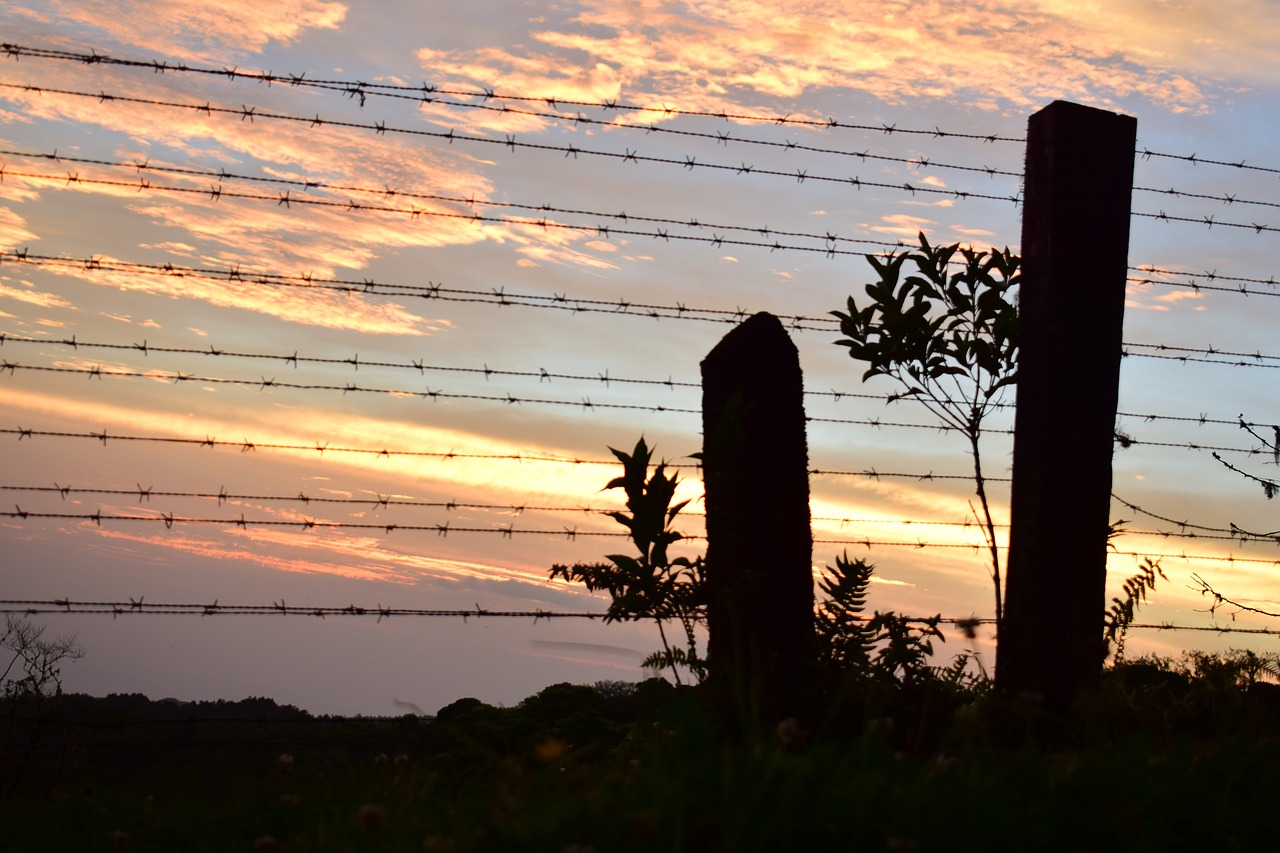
(1232, 38)
(325, 552)
(313, 307)
(518, 74)
(674, 53)
(204, 29)
(551, 483)
(901, 225)
(13, 229)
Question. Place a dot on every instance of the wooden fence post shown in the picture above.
(759, 573)
(1075, 242)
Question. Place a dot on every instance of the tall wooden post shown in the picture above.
(1075, 242)
(759, 543)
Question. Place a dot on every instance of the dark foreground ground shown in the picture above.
(1163, 762)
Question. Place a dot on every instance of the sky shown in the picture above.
(344, 305)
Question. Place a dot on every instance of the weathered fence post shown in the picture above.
(759, 543)
(1075, 243)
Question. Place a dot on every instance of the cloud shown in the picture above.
(985, 53)
(35, 297)
(1232, 39)
(204, 29)
(901, 225)
(474, 476)
(328, 309)
(13, 230)
(325, 553)
(395, 173)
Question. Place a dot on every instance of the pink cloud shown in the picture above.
(204, 29)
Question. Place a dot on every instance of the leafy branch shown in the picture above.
(950, 339)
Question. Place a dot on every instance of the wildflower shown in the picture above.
(550, 749)
(791, 736)
(372, 817)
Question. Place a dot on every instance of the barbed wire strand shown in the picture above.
(246, 113)
(217, 193)
(141, 607)
(500, 297)
(247, 446)
(360, 90)
(388, 192)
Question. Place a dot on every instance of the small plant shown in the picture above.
(885, 646)
(1119, 615)
(650, 585)
(950, 339)
(845, 640)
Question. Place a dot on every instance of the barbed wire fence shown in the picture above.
(104, 175)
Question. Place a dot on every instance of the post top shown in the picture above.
(1071, 111)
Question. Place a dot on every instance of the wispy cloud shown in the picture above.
(901, 225)
(34, 297)
(307, 306)
(200, 29)
(13, 230)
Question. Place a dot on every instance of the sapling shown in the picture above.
(947, 333)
